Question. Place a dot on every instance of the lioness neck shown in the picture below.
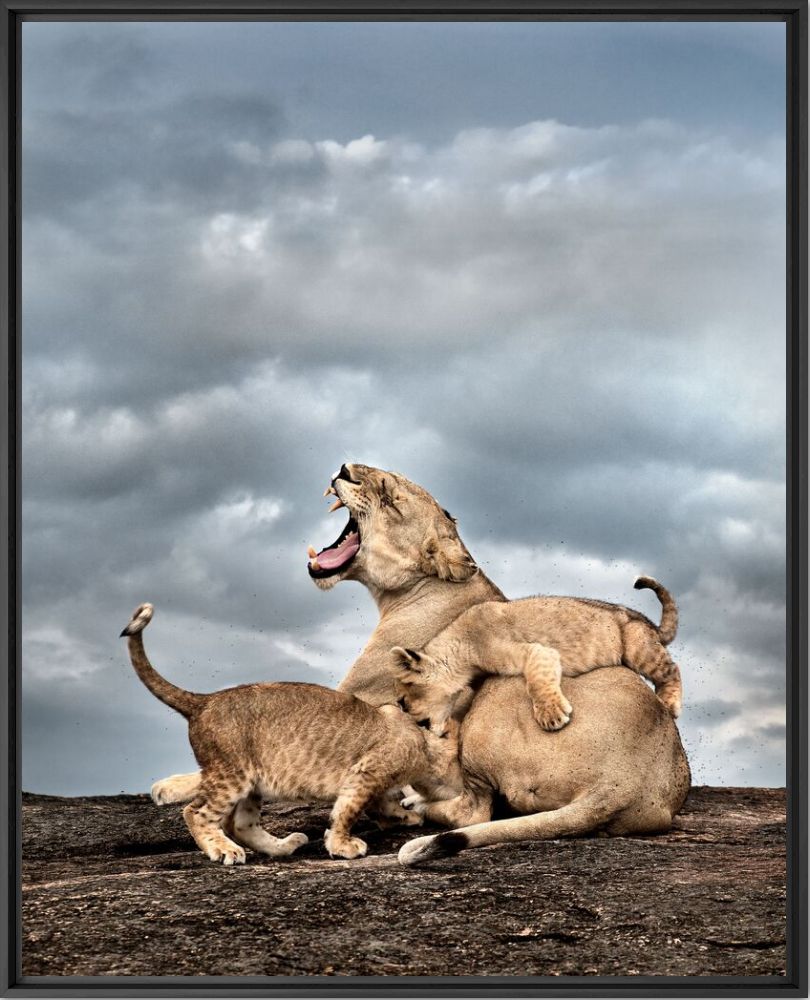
(435, 598)
(410, 618)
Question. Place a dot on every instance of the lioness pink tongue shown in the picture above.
(333, 558)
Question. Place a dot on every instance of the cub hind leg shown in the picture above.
(207, 814)
(644, 653)
(245, 827)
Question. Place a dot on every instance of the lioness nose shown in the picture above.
(344, 473)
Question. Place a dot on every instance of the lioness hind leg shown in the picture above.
(542, 669)
(245, 827)
(647, 656)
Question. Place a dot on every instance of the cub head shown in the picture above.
(396, 534)
(445, 779)
(425, 688)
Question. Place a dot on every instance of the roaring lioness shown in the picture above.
(619, 766)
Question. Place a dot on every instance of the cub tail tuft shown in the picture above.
(141, 617)
(669, 609)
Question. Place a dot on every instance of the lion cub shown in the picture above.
(296, 741)
(542, 638)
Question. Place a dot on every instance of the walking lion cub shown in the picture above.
(542, 638)
(296, 741)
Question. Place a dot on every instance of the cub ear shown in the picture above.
(451, 730)
(447, 557)
(406, 659)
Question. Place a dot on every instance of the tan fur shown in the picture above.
(619, 765)
(295, 741)
(543, 639)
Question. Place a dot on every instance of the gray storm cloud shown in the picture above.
(571, 333)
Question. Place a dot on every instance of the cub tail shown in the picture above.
(184, 702)
(669, 609)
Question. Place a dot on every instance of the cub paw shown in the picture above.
(228, 854)
(671, 701)
(552, 715)
(346, 847)
(234, 855)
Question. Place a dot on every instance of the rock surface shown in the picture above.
(114, 886)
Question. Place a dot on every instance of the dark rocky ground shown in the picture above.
(114, 886)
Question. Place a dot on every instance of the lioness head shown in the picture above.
(396, 534)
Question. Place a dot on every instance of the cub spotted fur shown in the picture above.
(544, 639)
(291, 741)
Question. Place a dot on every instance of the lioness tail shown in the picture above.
(669, 609)
(184, 702)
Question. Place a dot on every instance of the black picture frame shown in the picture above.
(794, 14)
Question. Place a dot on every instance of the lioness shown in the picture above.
(619, 766)
(541, 639)
(295, 741)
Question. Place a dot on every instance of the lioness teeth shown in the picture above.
(328, 490)
(311, 552)
(314, 564)
(336, 505)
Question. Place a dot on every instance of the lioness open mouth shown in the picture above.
(338, 555)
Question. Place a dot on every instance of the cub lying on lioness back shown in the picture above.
(296, 741)
(542, 638)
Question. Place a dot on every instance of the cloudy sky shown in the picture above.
(537, 268)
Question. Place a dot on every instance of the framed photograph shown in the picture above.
(406, 498)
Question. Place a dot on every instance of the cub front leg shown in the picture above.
(366, 781)
(542, 669)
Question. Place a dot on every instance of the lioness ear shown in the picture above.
(406, 659)
(447, 558)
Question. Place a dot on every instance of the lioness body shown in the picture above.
(294, 741)
(542, 639)
(598, 772)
